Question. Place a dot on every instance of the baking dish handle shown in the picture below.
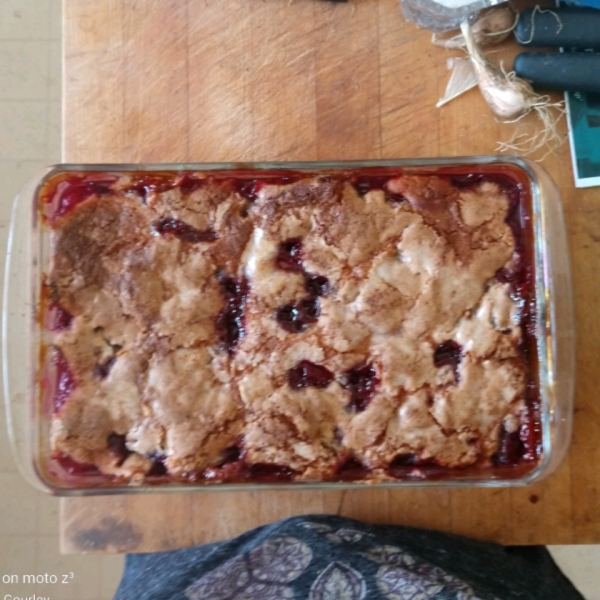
(19, 330)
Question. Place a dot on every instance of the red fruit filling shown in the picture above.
(270, 473)
(316, 285)
(308, 374)
(101, 370)
(72, 467)
(289, 256)
(350, 469)
(63, 378)
(117, 446)
(230, 321)
(366, 183)
(510, 450)
(184, 232)
(297, 317)
(158, 468)
(71, 192)
(59, 317)
(448, 353)
(361, 381)
(231, 454)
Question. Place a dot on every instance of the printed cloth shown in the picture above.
(333, 558)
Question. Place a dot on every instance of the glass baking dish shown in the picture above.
(28, 259)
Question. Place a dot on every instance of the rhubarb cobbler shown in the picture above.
(357, 325)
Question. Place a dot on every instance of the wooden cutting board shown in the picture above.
(242, 80)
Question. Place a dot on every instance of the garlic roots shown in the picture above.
(511, 98)
(508, 97)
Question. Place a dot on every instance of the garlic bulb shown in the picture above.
(511, 98)
(490, 28)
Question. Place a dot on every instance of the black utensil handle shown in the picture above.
(566, 71)
(567, 27)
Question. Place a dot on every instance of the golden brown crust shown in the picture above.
(147, 355)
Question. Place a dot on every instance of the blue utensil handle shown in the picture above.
(566, 27)
(565, 71)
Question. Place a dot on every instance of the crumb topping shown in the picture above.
(289, 331)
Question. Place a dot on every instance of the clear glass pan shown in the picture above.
(28, 258)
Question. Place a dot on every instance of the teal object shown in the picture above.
(590, 3)
(583, 114)
(584, 123)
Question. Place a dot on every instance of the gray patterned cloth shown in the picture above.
(332, 558)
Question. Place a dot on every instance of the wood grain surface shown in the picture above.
(201, 80)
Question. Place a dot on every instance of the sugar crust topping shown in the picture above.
(406, 282)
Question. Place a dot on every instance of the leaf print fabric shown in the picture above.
(264, 572)
(347, 536)
(264, 591)
(403, 577)
(320, 527)
(338, 582)
(281, 560)
(260, 574)
(389, 555)
(397, 583)
(342, 535)
(332, 558)
(223, 582)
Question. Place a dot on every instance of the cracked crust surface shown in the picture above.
(145, 346)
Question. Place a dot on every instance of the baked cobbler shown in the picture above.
(266, 326)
